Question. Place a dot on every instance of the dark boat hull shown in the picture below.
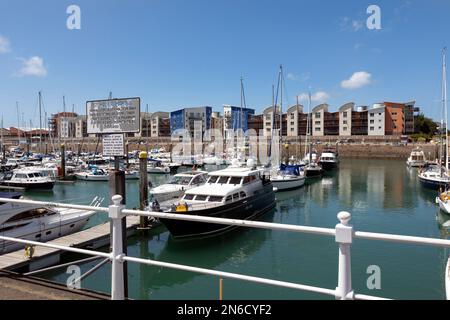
(30, 186)
(328, 165)
(313, 173)
(431, 184)
(246, 209)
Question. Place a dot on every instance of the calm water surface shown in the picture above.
(382, 196)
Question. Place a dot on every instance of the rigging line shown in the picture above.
(274, 115)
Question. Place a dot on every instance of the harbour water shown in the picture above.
(382, 196)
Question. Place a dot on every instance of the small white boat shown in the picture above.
(288, 177)
(329, 160)
(178, 184)
(37, 223)
(97, 174)
(416, 158)
(27, 178)
(434, 176)
(156, 166)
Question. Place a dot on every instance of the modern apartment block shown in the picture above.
(360, 121)
(296, 121)
(345, 119)
(235, 118)
(190, 119)
(271, 121)
(377, 120)
(318, 120)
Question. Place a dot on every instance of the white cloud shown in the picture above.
(5, 46)
(347, 24)
(357, 25)
(32, 67)
(319, 96)
(292, 77)
(357, 80)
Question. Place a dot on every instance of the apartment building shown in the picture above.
(377, 120)
(318, 120)
(190, 119)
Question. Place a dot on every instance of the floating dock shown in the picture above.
(91, 239)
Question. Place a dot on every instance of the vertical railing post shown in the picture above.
(117, 277)
(344, 236)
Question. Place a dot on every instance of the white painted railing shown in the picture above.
(343, 233)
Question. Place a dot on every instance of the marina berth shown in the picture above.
(234, 193)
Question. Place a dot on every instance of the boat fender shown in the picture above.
(182, 207)
(29, 251)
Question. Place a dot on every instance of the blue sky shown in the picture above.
(179, 53)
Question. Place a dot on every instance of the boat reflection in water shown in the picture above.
(236, 247)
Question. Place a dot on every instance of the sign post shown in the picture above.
(112, 119)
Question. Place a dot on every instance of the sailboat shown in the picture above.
(444, 198)
(286, 177)
(312, 168)
(436, 176)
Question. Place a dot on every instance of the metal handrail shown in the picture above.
(343, 234)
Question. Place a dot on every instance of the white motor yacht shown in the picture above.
(38, 223)
(234, 193)
(416, 158)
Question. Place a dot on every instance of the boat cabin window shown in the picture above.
(215, 199)
(213, 179)
(198, 180)
(242, 194)
(235, 196)
(235, 180)
(249, 179)
(21, 176)
(189, 197)
(228, 199)
(180, 180)
(223, 180)
(201, 197)
(31, 214)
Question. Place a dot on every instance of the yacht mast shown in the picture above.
(18, 122)
(3, 146)
(281, 115)
(40, 122)
(444, 102)
(308, 125)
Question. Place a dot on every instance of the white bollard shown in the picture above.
(344, 236)
(117, 279)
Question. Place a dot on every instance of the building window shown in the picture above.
(344, 122)
(267, 116)
(379, 128)
(292, 129)
(292, 115)
(372, 121)
(317, 115)
(372, 128)
(318, 122)
(380, 114)
(317, 129)
(372, 114)
(292, 123)
(345, 128)
(344, 114)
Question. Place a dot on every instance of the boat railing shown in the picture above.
(343, 234)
